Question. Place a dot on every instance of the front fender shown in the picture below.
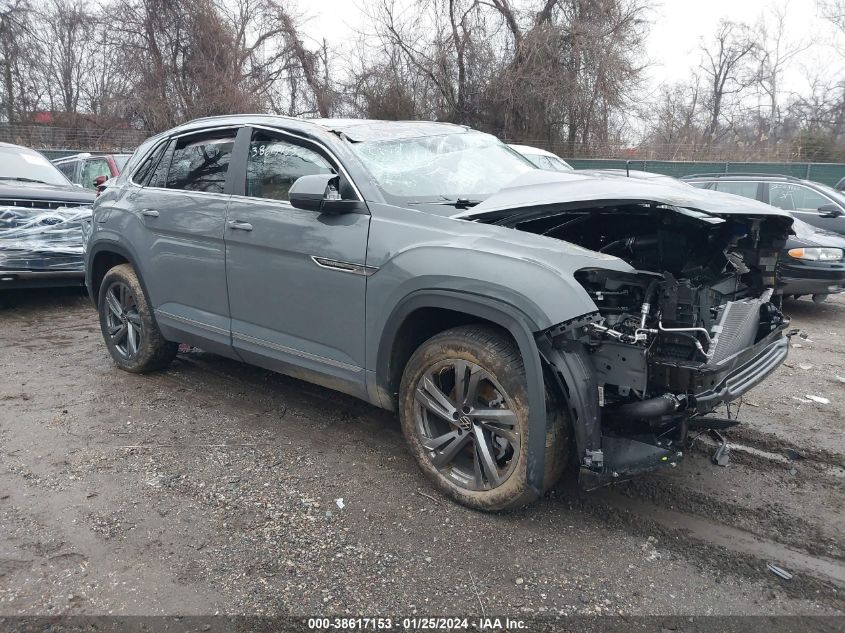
(545, 295)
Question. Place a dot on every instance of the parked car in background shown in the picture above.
(41, 215)
(815, 203)
(542, 158)
(91, 170)
(512, 316)
(812, 262)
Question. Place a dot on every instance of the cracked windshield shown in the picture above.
(464, 165)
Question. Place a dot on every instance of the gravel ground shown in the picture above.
(214, 487)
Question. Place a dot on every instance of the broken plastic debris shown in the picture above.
(340, 503)
(805, 366)
(818, 399)
(840, 378)
(779, 571)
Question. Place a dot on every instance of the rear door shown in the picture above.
(297, 279)
(182, 209)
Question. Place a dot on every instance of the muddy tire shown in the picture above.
(463, 404)
(128, 325)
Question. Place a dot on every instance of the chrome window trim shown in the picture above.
(323, 147)
(188, 192)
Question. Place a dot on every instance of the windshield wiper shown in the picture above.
(458, 203)
(22, 179)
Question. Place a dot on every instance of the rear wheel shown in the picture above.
(129, 329)
(464, 410)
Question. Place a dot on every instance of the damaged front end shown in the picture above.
(691, 327)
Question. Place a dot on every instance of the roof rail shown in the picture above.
(722, 174)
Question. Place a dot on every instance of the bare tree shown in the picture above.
(726, 68)
(14, 28)
(775, 52)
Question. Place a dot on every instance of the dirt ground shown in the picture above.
(213, 487)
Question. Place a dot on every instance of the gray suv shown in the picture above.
(515, 319)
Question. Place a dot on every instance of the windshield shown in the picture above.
(469, 165)
(121, 160)
(25, 165)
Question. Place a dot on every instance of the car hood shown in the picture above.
(10, 190)
(539, 190)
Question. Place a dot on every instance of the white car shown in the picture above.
(542, 159)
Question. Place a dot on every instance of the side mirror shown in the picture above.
(829, 211)
(100, 180)
(319, 192)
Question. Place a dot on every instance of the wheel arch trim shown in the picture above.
(108, 246)
(518, 325)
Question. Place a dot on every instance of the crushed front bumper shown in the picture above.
(744, 371)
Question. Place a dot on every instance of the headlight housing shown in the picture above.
(817, 254)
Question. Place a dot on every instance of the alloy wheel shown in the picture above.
(466, 424)
(123, 321)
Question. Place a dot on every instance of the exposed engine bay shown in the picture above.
(668, 338)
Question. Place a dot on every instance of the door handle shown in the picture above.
(150, 213)
(238, 225)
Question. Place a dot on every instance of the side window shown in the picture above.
(93, 168)
(200, 163)
(792, 197)
(273, 164)
(68, 169)
(144, 174)
(744, 189)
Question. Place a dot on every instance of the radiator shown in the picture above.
(736, 329)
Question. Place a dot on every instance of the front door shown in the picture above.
(804, 202)
(297, 279)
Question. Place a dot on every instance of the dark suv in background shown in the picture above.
(41, 215)
(815, 203)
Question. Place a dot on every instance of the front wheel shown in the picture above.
(129, 329)
(464, 409)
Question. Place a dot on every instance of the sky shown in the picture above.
(677, 28)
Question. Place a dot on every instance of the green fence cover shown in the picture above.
(828, 173)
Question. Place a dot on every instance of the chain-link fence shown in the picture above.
(46, 137)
